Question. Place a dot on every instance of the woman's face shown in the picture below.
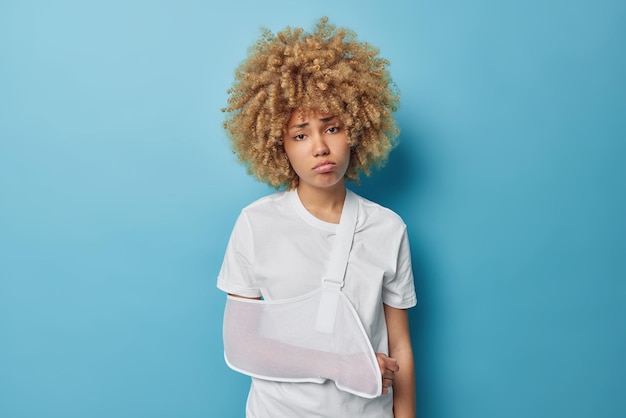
(317, 148)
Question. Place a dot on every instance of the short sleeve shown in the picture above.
(236, 275)
(399, 289)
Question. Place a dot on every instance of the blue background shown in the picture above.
(118, 191)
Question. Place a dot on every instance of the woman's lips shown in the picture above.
(324, 167)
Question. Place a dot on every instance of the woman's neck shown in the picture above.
(325, 204)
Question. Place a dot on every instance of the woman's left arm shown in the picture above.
(401, 350)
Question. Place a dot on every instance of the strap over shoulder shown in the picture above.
(335, 274)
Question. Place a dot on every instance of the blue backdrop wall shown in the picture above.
(118, 191)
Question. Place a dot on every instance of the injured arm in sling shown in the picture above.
(312, 338)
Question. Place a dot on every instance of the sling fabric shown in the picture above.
(280, 341)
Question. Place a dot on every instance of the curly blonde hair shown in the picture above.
(326, 71)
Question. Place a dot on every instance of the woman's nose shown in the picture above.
(320, 148)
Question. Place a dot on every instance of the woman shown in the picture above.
(308, 111)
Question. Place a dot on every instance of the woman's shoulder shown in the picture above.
(268, 201)
(372, 212)
(268, 208)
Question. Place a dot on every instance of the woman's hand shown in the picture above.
(388, 369)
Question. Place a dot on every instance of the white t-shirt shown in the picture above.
(279, 250)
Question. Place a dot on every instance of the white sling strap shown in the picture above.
(335, 275)
(310, 338)
(343, 242)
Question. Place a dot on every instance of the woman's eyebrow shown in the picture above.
(298, 126)
(327, 119)
(305, 124)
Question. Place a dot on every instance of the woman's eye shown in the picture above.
(333, 130)
(299, 137)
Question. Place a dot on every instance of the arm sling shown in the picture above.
(309, 338)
